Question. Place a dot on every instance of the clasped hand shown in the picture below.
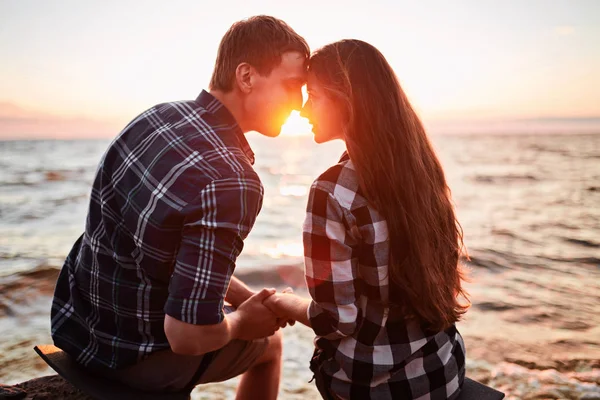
(278, 304)
(263, 314)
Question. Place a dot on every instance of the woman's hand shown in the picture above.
(289, 306)
(279, 304)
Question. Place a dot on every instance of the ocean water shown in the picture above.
(529, 206)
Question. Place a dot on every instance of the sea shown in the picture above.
(528, 202)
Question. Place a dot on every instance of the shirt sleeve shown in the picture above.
(331, 270)
(216, 223)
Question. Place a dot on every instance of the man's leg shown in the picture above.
(163, 371)
(261, 380)
(258, 361)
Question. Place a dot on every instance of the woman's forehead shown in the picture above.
(312, 82)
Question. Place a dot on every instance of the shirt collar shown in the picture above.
(211, 104)
(345, 157)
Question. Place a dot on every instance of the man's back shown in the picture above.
(173, 198)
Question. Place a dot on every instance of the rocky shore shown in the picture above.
(505, 349)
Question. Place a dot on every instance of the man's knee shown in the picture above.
(276, 342)
(274, 349)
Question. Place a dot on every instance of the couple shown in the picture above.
(148, 295)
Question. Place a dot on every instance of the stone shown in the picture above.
(11, 392)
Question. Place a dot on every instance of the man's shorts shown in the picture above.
(167, 371)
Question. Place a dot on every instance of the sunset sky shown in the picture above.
(85, 68)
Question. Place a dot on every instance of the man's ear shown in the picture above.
(243, 77)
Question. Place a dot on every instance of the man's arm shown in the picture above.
(215, 225)
(252, 320)
(238, 292)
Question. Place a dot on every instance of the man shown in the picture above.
(141, 296)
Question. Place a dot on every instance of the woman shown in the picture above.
(382, 243)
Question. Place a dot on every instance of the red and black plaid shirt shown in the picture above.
(371, 350)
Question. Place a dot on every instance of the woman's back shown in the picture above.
(367, 348)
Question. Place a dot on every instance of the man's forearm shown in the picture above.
(193, 339)
(238, 292)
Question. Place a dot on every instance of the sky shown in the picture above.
(85, 68)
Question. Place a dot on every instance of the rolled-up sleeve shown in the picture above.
(216, 223)
(329, 266)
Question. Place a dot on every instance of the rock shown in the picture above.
(11, 392)
(546, 394)
(590, 396)
(50, 388)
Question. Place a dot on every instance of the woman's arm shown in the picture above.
(289, 306)
(330, 266)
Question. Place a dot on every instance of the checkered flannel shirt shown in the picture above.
(371, 350)
(173, 198)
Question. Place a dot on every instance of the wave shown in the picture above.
(52, 176)
(510, 234)
(553, 150)
(38, 176)
(582, 242)
(495, 306)
(491, 262)
(503, 179)
(40, 280)
(582, 261)
(20, 288)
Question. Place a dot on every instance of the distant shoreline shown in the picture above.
(432, 133)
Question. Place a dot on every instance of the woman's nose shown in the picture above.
(305, 112)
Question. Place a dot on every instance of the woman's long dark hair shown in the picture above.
(402, 178)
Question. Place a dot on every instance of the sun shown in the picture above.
(296, 125)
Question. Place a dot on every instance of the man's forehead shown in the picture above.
(293, 66)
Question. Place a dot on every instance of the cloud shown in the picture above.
(11, 110)
(564, 30)
(17, 122)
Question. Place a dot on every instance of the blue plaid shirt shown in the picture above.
(173, 199)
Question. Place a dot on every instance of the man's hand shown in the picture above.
(252, 320)
(279, 304)
(282, 318)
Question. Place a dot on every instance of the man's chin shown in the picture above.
(271, 132)
(320, 139)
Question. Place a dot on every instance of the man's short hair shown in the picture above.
(259, 41)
